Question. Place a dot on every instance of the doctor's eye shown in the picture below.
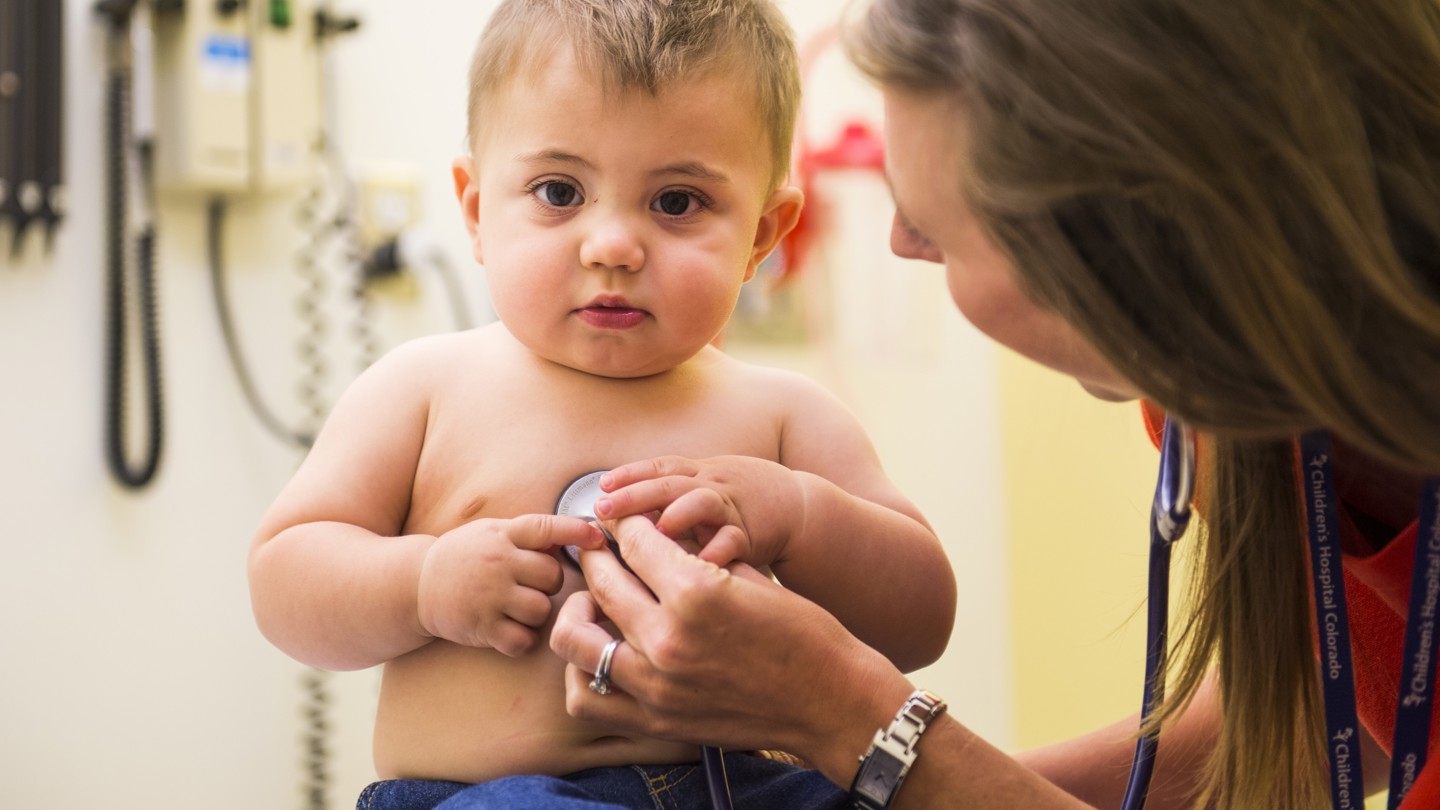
(677, 203)
(913, 234)
(557, 193)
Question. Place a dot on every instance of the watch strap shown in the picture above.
(892, 752)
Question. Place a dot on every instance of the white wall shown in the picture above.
(133, 675)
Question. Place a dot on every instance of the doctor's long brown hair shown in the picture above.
(1238, 203)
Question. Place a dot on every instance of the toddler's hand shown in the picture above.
(488, 583)
(735, 507)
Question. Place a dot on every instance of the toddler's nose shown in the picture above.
(613, 244)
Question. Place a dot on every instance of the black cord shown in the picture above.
(387, 260)
(214, 230)
(117, 104)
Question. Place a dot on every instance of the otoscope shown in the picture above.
(578, 500)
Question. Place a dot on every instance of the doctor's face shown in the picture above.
(933, 223)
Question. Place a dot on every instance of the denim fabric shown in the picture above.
(755, 784)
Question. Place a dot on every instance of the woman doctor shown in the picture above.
(1230, 208)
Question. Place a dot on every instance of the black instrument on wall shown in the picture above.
(31, 116)
(130, 245)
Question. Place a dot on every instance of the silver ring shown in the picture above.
(600, 684)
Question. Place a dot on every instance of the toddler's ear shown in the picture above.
(777, 219)
(467, 192)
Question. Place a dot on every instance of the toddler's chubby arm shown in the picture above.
(827, 520)
(334, 584)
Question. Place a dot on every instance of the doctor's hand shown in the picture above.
(720, 656)
(734, 507)
(488, 583)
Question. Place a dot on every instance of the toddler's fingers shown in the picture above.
(548, 532)
(698, 507)
(728, 545)
(641, 497)
(527, 607)
(542, 572)
(511, 638)
(636, 471)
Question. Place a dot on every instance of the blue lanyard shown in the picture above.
(1413, 710)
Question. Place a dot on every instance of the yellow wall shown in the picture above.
(1078, 476)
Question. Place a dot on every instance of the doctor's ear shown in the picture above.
(467, 193)
(777, 219)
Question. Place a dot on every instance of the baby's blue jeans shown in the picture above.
(755, 784)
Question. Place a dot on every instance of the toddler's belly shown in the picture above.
(467, 715)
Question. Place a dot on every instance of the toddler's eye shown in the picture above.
(675, 203)
(559, 194)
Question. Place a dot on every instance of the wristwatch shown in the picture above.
(892, 752)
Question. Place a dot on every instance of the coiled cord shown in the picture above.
(309, 307)
(316, 685)
(309, 348)
(352, 255)
(117, 327)
(325, 220)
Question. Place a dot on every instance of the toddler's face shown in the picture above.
(617, 228)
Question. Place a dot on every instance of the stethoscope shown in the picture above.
(1169, 515)
(578, 500)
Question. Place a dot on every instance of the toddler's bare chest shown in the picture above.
(503, 462)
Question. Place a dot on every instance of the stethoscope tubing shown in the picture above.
(1169, 516)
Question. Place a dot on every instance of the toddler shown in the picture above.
(625, 177)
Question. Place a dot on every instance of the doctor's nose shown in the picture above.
(908, 243)
(613, 244)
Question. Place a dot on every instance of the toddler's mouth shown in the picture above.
(611, 313)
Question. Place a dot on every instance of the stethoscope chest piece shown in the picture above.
(578, 500)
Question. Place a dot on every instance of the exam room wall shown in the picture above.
(133, 676)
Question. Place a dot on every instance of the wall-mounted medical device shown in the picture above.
(210, 97)
(31, 117)
(202, 68)
(237, 96)
(285, 102)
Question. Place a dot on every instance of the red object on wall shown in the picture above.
(857, 146)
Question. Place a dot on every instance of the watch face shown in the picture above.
(878, 778)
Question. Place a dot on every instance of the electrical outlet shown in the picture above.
(389, 202)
